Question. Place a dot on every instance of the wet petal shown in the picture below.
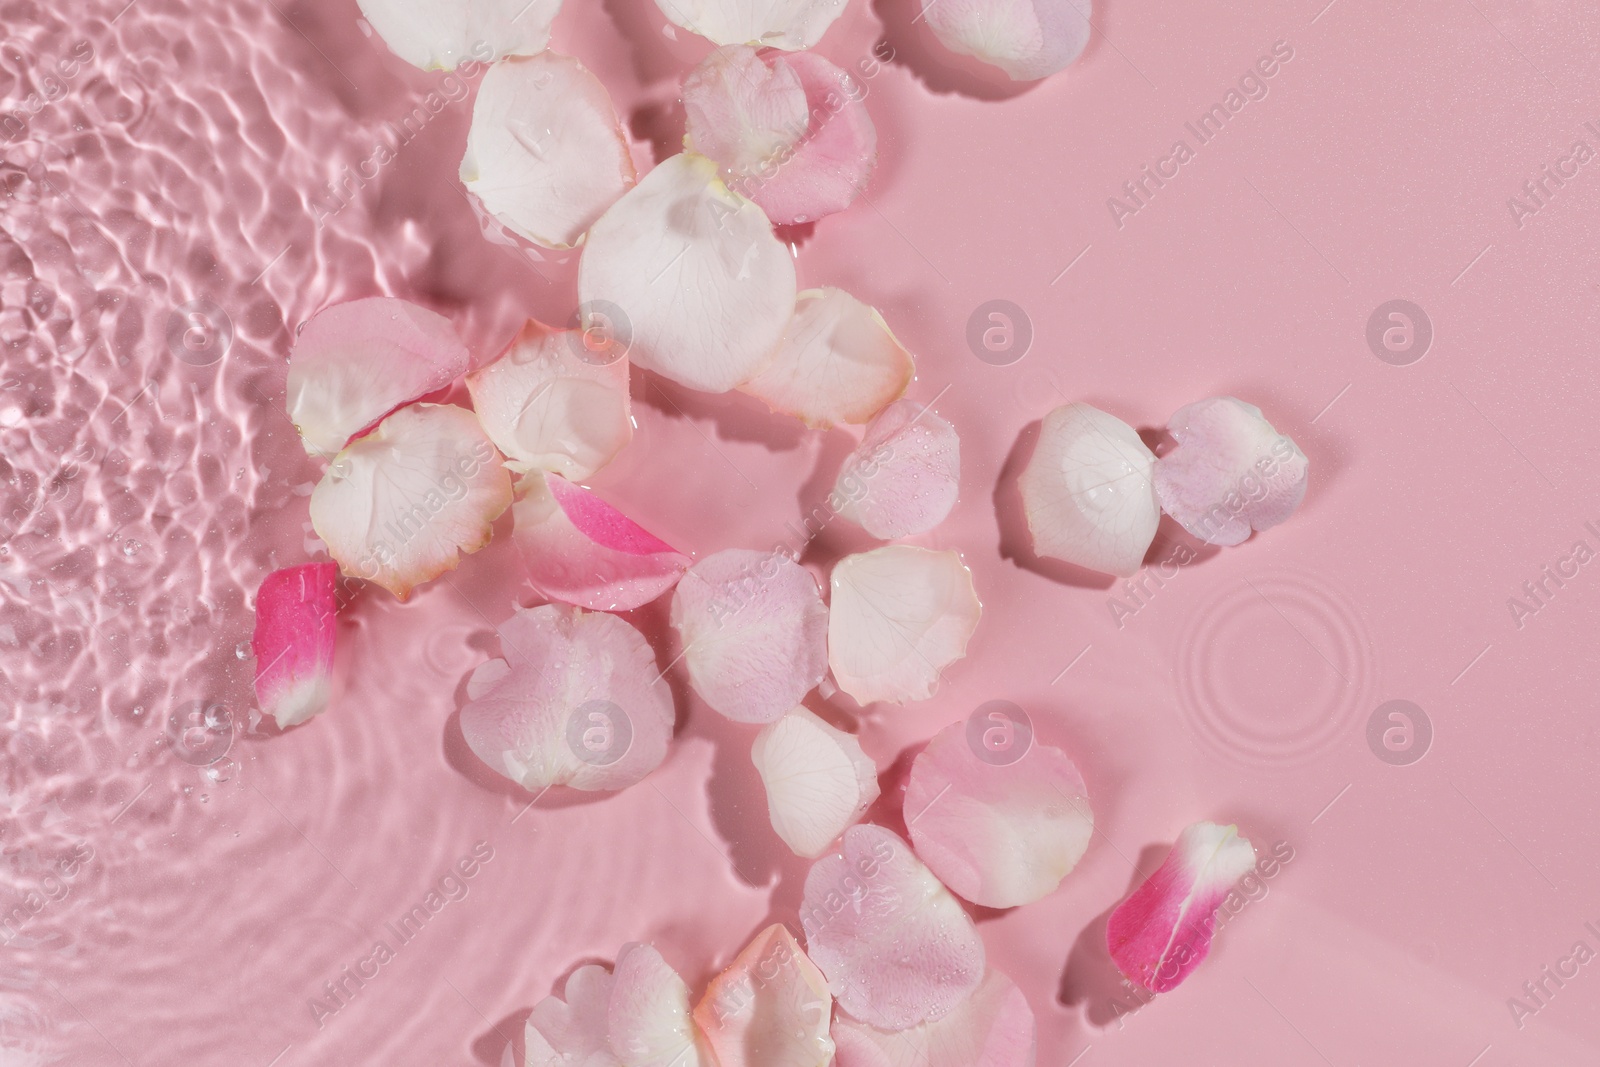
(570, 1030)
(838, 362)
(702, 287)
(999, 835)
(354, 363)
(401, 505)
(897, 948)
(1162, 932)
(905, 476)
(1088, 493)
(1231, 472)
(787, 24)
(442, 34)
(818, 780)
(575, 701)
(546, 154)
(648, 1019)
(770, 1008)
(1028, 39)
(789, 129)
(899, 616)
(293, 641)
(754, 632)
(581, 550)
(548, 407)
(992, 1028)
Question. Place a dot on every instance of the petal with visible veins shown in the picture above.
(1088, 491)
(401, 505)
(1028, 39)
(818, 780)
(581, 550)
(754, 632)
(548, 408)
(648, 1021)
(994, 1027)
(354, 363)
(443, 34)
(703, 287)
(1162, 932)
(905, 476)
(770, 1008)
(293, 641)
(786, 24)
(545, 153)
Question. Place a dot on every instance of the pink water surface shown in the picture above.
(185, 152)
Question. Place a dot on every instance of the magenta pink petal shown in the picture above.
(789, 129)
(994, 1027)
(1162, 932)
(581, 550)
(293, 641)
(354, 363)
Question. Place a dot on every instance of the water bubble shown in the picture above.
(221, 771)
(340, 469)
(200, 732)
(130, 548)
(242, 650)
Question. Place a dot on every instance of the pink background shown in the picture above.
(181, 162)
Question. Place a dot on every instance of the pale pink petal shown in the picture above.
(770, 1008)
(444, 34)
(546, 153)
(649, 1024)
(549, 405)
(570, 1030)
(581, 550)
(576, 701)
(1088, 493)
(994, 1027)
(1231, 472)
(354, 363)
(787, 24)
(899, 615)
(817, 778)
(1028, 39)
(999, 835)
(702, 287)
(905, 476)
(838, 363)
(1162, 932)
(897, 948)
(293, 641)
(790, 130)
(401, 505)
(754, 632)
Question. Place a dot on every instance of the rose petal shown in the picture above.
(581, 550)
(546, 154)
(789, 129)
(648, 1020)
(770, 1008)
(1162, 932)
(899, 616)
(401, 505)
(838, 362)
(905, 476)
(701, 285)
(1231, 472)
(787, 24)
(1028, 39)
(818, 780)
(440, 34)
(354, 363)
(548, 408)
(576, 701)
(897, 948)
(994, 1027)
(571, 1032)
(997, 835)
(1087, 491)
(754, 632)
(293, 641)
